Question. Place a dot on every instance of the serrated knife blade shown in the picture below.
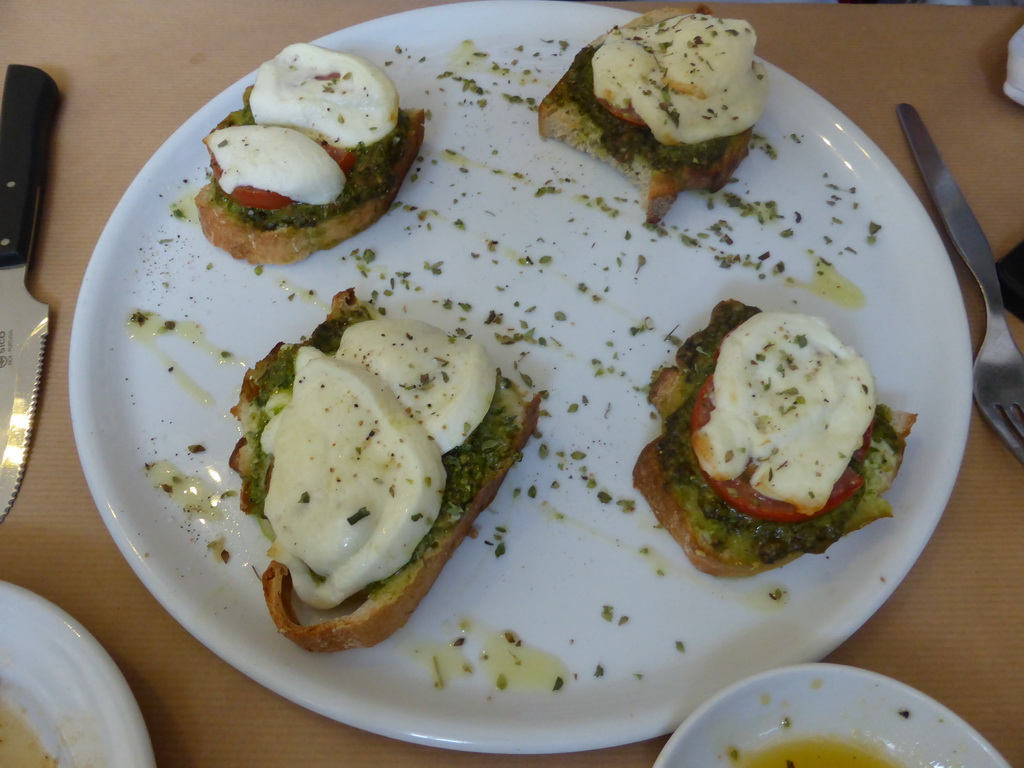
(26, 121)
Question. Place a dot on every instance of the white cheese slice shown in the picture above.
(356, 484)
(340, 97)
(446, 382)
(793, 399)
(275, 159)
(690, 78)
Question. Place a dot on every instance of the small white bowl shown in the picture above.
(831, 701)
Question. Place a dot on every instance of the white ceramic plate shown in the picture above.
(70, 690)
(838, 703)
(496, 219)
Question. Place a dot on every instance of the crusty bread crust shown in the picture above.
(650, 480)
(374, 616)
(379, 616)
(290, 244)
(561, 119)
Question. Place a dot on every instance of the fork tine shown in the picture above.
(1009, 423)
(1015, 415)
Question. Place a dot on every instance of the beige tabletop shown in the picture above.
(131, 71)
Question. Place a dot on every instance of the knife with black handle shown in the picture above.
(29, 104)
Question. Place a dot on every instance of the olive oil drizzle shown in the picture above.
(148, 328)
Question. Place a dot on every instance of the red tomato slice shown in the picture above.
(251, 197)
(346, 160)
(628, 115)
(739, 494)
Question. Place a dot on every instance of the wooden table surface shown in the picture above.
(131, 71)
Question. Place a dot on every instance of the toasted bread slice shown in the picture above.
(716, 538)
(256, 241)
(571, 114)
(475, 471)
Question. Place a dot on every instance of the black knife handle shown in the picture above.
(26, 121)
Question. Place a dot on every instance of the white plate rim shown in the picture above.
(33, 626)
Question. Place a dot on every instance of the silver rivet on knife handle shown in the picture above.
(26, 119)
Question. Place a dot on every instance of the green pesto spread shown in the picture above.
(489, 449)
(734, 534)
(371, 177)
(625, 141)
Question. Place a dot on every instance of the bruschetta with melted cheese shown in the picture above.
(772, 443)
(669, 100)
(315, 155)
(367, 452)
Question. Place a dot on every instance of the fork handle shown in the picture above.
(963, 228)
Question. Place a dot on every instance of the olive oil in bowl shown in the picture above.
(819, 752)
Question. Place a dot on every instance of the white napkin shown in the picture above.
(1014, 85)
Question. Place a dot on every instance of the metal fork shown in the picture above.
(999, 365)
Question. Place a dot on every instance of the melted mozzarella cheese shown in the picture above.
(445, 382)
(356, 484)
(791, 398)
(340, 97)
(690, 78)
(275, 159)
(357, 475)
